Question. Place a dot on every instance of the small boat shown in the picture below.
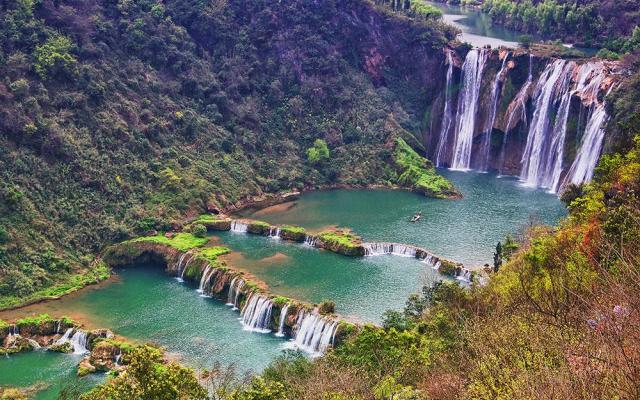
(416, 217)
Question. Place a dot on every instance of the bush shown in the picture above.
(199, 230)
(318, 153)
(4, 235)
(54, 57)
(327, 307)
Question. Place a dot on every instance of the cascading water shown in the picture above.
(495, 96)
(79, 342)
(179, 267)
(235, 288)
(315, 334)
(237, 226)
(205, 278)
(256, 315)
(310, 240)
(472, 70)
(581, 170)
(518, 104)
(283, 318)
(274, 232)
(65, 338)
(447, 117)
(186, 266)
(540, 153)
(378, 249)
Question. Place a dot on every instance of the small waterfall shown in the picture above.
(58, 323)
(378, 249)
(495, 96)
(543, 142)
(581, 170)
(315, 333)
(79, 342)
(234, 292)
(520, 104)
(472, 70)
(447, 117)
(65, 338)
(310, 240)
(34, 344)
(283, 317)
(237, 226)
(186, 266)
(256, 315)
(274, 232)
(205, 278)
(117, 358)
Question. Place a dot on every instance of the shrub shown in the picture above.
(318, 153)
(199, 230)
(54, 57)
(4, 235)
(327, 307)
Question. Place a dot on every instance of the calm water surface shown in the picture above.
(465, 230)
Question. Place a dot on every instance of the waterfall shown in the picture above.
(58, 323)
(378, 249)
(234, 292)
(472, 70)
(544, 143)
(590, 78)
(117, 358)
(519, 104)
(79, 342)
(495, 96)
(581, 170)
(230, 294)
(237, 226)
(274, 232)
(186, 266)
(34, 344)
(315, 333)
(283, 317)
(310, 240)
(205, 278)
(256, 314)
(65, 338)
(447, 116)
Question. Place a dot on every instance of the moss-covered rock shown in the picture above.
(341, 242)
(258, 228)
(85, 367)
(293, 233)
(213, 222)
(448, 268)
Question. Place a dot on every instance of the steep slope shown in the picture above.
(117, 117)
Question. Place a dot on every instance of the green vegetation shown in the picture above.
(418, 172)
(341, 241)
(34, 320)
(199, 230)
(592, 22)
(181, 241)
(212, 253)
(150, 377)
(318, 153)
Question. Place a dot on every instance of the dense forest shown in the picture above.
(610, 24)
(120, 117)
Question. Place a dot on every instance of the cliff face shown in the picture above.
(539, 118)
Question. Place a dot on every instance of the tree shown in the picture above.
(148, 377)
(497, 257)
(54, 57)
(318, 153)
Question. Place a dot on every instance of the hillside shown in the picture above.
(120, 117)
